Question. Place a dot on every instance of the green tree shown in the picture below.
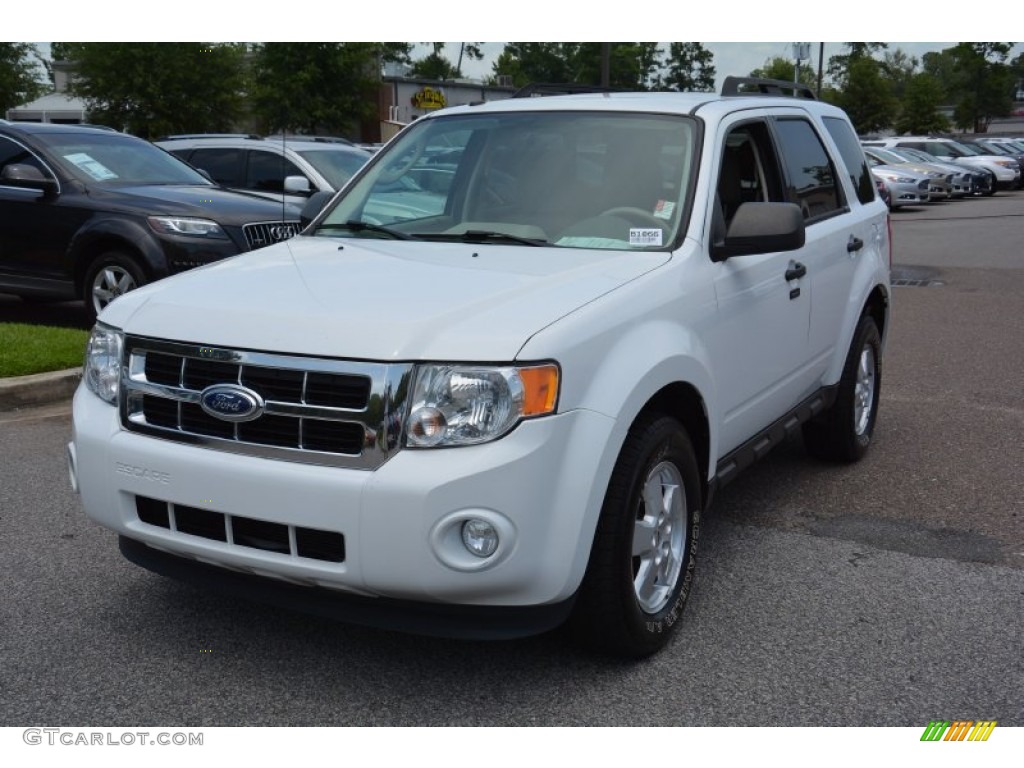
(898, 68)
(631, 66)
(866, 97)
(780, 68)
(18, 73)
(436, 66)
(689, 67)
(919, 112)
(984, 86)
(151, 89)
(839, 65)
(534, 63)
(318, 87)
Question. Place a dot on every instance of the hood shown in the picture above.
(222, 205)
(378, 300)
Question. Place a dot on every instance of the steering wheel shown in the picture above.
(636, 216)
(407, 157)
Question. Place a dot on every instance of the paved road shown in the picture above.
(890, 593)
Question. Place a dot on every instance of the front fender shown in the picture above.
(108, 231)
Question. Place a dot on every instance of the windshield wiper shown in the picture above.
(364, 226)
(483, 236)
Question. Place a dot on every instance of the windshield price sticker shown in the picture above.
(644, 236)
(92, 167)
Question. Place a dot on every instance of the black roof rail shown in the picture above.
(559, 89)
(757, 86)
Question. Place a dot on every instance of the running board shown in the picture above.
(730, 466)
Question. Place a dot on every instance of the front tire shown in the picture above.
(113, 274)
(844, 432)
(644, 553)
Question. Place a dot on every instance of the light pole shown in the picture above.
(801, 51)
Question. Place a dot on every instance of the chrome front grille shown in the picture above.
(313, 410)
(265, 233)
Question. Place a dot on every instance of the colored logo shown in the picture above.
(231, 402)
(958, 730)
(428, 98)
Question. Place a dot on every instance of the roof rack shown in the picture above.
(318, 139)
(757, 86)
(210, 136)
(559, 89)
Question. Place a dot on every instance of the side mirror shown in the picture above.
(28, 177)
(316, 203)
(762, 228)
(297, 185)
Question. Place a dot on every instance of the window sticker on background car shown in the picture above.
(644, 236)
(663, 209)
(93, 167)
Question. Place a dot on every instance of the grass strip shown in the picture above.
(26, 349)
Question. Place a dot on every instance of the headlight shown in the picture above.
(103, 362)
(1006, 163)
(180, 225)
(466, 405)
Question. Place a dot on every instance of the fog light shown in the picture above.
(479, 537)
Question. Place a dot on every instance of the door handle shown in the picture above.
(796, 271)
(854, 244)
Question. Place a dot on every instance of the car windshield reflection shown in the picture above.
(609, 180)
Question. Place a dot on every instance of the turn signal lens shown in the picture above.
(540, 389)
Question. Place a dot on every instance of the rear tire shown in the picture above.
(844, 432)
(644, 553)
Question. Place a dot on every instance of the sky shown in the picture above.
(730, 58)
(750, 25)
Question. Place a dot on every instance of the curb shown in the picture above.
(38, 389)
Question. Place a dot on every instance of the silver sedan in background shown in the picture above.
(940, 183)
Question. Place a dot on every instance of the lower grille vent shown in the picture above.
(310, 543)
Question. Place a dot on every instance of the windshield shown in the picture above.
(571, 179)
(117, 158)
(889, 157)
(336, 165)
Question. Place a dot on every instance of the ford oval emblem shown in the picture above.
(231, 402)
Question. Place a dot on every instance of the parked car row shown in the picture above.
(90, 213)
(922, 169)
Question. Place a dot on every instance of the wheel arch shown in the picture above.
(113, 235)
(683, 402)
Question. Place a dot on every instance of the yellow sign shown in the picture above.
(428, 98)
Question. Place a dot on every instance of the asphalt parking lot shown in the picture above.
(889, 593)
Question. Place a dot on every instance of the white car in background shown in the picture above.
(289, 168)
(966, 180)
(1005, 169)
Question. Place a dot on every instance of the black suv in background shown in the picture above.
(91, 213)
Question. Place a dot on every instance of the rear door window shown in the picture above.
(811, 177)
(222, 163)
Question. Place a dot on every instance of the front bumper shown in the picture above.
(542, 486)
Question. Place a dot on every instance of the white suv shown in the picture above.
(496, 382)
(290, 168)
